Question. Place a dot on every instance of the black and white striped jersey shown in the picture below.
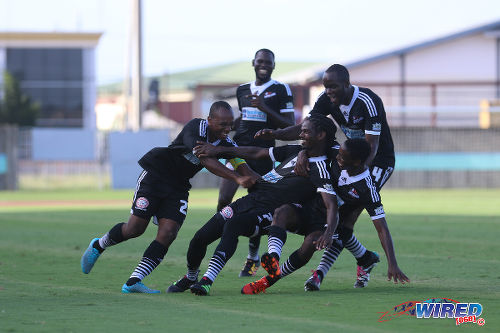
(365, 114)
(176, 164)
(281, 185)
(277, 96)
(358, 190)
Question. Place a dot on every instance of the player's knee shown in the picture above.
(132, 230)
(167, 232)
(282, 215)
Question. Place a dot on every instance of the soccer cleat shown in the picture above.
(89, 257)
(256, 287)
(313, 283)
(271, 264)
(138, 287)
(202, 287)
(250, 268)
(363, 272)
(181, 285)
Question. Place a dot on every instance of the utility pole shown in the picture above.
(135, 111)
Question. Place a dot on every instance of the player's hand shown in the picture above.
(302, 166)
(265, 134)
(324, 240)
(395, 274)
(246, 181)
(257, 101)
(205, 149)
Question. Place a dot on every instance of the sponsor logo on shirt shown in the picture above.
(268, 94)
(253, 114)
(272, 177)
(376, 127)
(353, 133)
(192, 158)
(289, 105)
(353, 193)
(141, 203)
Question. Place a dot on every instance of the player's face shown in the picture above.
(335, 89)
(220, 123)
(344, 159)
(263, 65)
(308, 135)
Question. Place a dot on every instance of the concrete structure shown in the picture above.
(57, 70)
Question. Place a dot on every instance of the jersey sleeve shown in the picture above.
(375, 210)
(322, 105)
(320, 177)
(194, 131)
(286, 99)
(374, 108)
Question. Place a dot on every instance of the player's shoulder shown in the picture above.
(366, 94)
(198, 125)
(281, 86)
(320, 165)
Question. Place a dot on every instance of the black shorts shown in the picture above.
(247, 211)
(380, 175)
(154, 197)
(311, 216)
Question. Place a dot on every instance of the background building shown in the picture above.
(57, 70)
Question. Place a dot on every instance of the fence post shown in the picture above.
(8, 157)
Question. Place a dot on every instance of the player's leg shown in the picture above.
(211, 231)
(227, 189)
(239, 225)
(136, 225)
(153, 256)
(252, 262)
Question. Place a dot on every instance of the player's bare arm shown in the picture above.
(330, 202)
(204, 149)
(281, 120)
(393, 270)
(290, 133)
(373, 140)
(218, 169)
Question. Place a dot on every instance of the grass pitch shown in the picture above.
(446, 241)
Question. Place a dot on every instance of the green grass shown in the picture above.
(446, 241)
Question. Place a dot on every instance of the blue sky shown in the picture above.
(180, 35)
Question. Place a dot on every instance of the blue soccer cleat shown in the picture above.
(89, 257)
(138, 287)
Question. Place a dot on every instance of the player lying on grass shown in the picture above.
(162, 192)
(354, 188)
(252, 214)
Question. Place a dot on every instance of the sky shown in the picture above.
(183, 35)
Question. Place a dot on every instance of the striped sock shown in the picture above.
(276, 239)
(151, 258)
(192, 274)
(112, 237)
(293, 263)
(330, 256)
(215, 265)
(355, 247)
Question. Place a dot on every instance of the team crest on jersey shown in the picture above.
(379, 210)
(268, 94)
(357, 120)
(376, 127)
(353, 193)
(226, 212)
(141, 203)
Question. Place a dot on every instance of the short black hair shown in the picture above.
(341, 71)
(264, 50)
(358, 148)
(219, 105)
(323, 123)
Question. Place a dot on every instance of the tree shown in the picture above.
(16, 107)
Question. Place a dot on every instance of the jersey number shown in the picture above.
(377, 173)
(184, 206)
